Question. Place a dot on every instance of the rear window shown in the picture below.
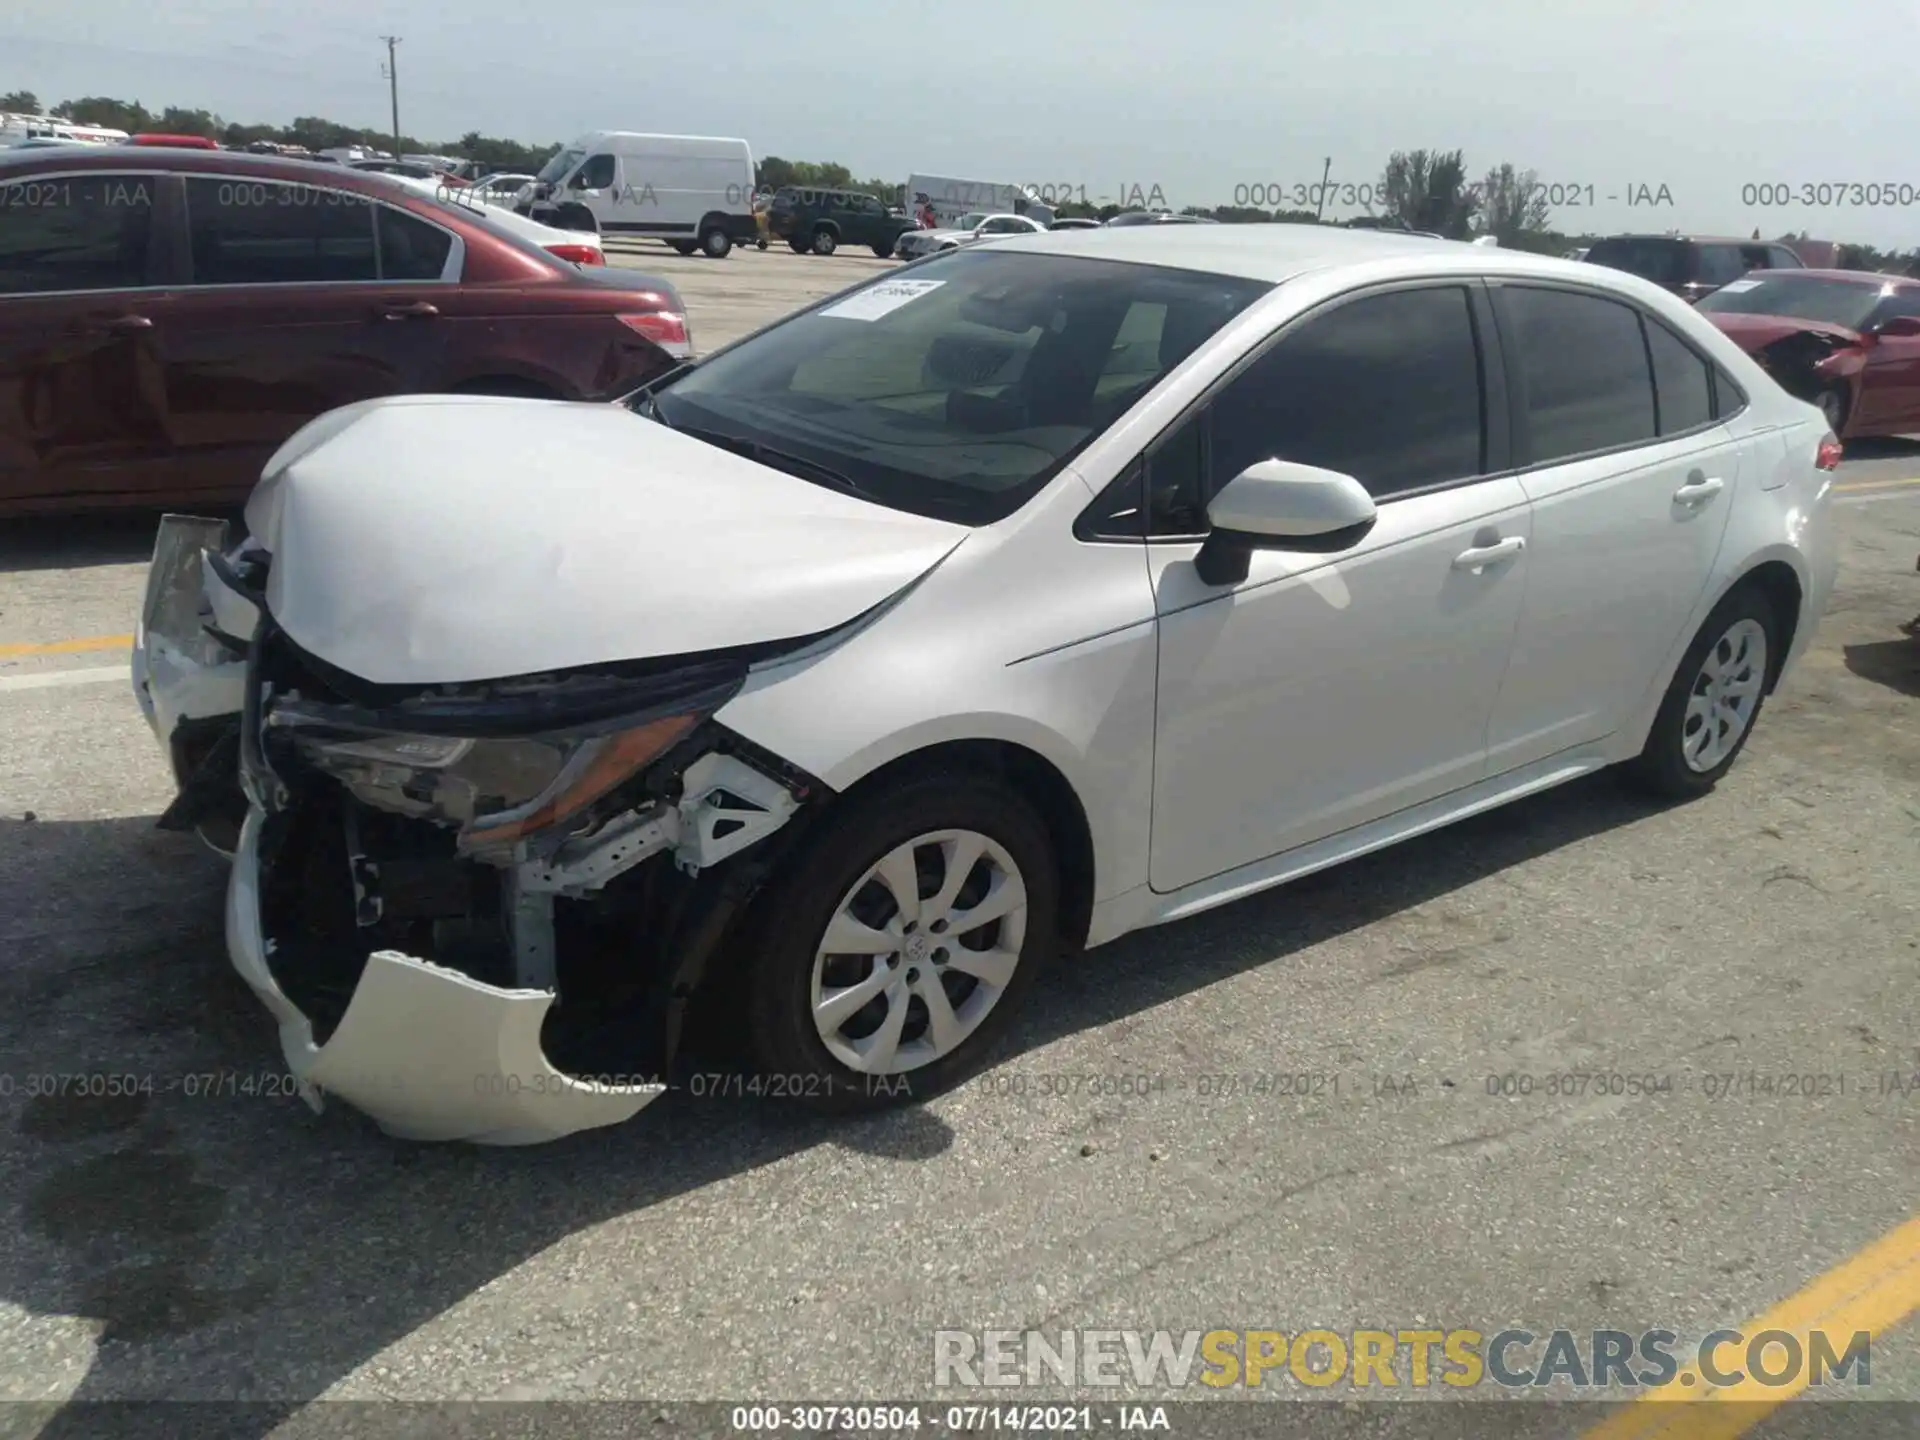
(1665, 262)
(960, 391)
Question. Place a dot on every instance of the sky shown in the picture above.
(1186, 101)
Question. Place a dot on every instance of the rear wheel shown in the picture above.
(798, 245)
(716, 242)
(824, 241)
(1715, 697)
(575, 217)
(884, 252)
(892, 952)
(684, 247)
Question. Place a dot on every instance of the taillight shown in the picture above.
(578, 254)
(1828, 457)
(663, 327)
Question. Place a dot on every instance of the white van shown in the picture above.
(692, 191)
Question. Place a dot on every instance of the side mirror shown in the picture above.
(1278, 505)
(1899, 327)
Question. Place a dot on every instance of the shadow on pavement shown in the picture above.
(235, 1247)
(1892, 663)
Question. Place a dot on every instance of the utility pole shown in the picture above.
(393, 90)
(1319, 200)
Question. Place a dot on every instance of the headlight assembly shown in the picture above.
(494, 789)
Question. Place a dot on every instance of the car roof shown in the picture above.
(1277, 251)
(1863, 277)
(169, 157)
(1696, 239)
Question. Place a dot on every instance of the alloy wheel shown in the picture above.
(918, 952)
(1725, 695)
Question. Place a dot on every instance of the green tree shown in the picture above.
(20, 102)
(1427, 190)
(175, 121)
(1513, 207)
(128, 115)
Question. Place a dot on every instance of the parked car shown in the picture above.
(169, 317)
(580, 247)
(183, 142)
(1690, 266)
(820, 221)
(970, 230)
(503, 187)
(1845, 340)
(1114, 547)
(1074, 223)
(411, 169)
(694, 192)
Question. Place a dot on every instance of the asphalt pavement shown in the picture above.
(1139, 1162)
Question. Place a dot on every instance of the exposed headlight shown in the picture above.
(495, 791)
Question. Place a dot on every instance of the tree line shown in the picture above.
(1423, 189)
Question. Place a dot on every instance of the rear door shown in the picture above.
(82, 403)
(1632, 480)
(302, 298)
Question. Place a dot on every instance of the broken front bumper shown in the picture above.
(429, 1053)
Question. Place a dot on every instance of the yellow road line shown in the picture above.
(1876, 484)
(71, 647)
(1873, 1290)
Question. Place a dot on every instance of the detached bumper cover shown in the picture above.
(429, 1053)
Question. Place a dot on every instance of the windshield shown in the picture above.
(1662, 261)
(959, 390)
(556, 168)
(1796, 297)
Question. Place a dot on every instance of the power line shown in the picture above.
(393, 90)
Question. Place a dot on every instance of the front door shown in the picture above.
(1632, 478)
(82, 404)
(303, 299)
(1328, 690)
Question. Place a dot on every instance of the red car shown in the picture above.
(169, 316)
(1846, 340)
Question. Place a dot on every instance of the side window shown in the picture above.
(75, 232)
(410, 248)
(1779, 257)
(1728, 398)
(596, 174)
(1682, 381)
(1720, 263)
(251, 232)
(1387, 389)
(1583, 368)
(1176, 480)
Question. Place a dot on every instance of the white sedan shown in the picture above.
(1041, 592)
(582, 247)
(967, 230)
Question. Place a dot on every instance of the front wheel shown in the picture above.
(883, 252)
(716, 243)
(891, 955)
(1715, 697)
(824, 242)
(683, 247)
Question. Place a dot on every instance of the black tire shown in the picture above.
(798, 245)
(795, 909)
(684, 247)
(761, 243)
(824, 241)
(576, 217)
(1834, 403)
(1661, 768)
(883, 252)
(715, 243)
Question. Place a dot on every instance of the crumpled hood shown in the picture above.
(1756, 332)
(441, 539)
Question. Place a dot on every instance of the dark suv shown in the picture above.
(1691, 265)
(823, 220)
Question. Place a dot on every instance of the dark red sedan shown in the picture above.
(1846, 340)
(168, 317)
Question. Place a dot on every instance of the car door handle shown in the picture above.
(1482, 556)
(412, 310)
(1698, 490)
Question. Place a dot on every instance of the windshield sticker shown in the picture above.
(1734, 287)
(882, 299)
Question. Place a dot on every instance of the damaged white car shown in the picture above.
(1016, 600)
